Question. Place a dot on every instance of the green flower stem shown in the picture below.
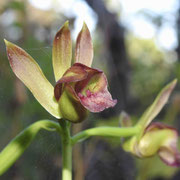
(66, 150)
(106, 132)
(19, 144)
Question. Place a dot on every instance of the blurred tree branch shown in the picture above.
(178, 32)
(115, 42)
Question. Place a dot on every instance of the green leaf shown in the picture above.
(20, 143)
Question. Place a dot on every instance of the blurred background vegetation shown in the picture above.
(136, 43)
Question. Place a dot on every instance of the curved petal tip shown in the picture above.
(84, 47)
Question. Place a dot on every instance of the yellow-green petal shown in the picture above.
(29, 72)
(70, 106)
(84, 47)
(62, 51)
(157, 105)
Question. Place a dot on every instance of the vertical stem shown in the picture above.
(67, 161)
(66, 151)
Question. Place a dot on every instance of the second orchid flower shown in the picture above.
(156, 138)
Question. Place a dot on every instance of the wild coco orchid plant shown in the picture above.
(79, 89)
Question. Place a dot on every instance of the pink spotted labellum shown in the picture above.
(156, 138)
(78, 88)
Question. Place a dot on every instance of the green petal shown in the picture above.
(70, 106)
(157, 105)
(162, 139)
(84, 47)
(29, 72)
(62, 51)
(151, 141)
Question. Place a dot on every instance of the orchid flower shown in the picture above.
(78, 88)
(156, 137)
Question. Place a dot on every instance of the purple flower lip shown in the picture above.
(81, 78)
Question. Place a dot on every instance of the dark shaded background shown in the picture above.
(136, 69)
